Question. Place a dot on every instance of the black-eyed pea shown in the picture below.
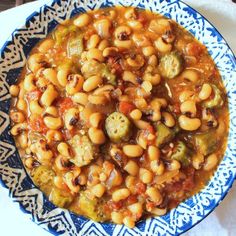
(69, 180)
(35, 108)
(46, 45)
(147, 86)
(17, 117)
(132, 168)
(136, 208)
(130, 77)
(141, 124)
(135, 24)
(19, 128)
(122, 32)
(145, 175)
(157, 167)
(174, 165)
(44, 155)
(136, 114)
(103, 27)
(29, 84)
(97, 99)
(53, 136)
(82, 20)
(154, 79)
(155, 195)
(85, 114)
(30, 163)
(93, 41)
(63, 149)
(61, 162)
(162, 46)
(98, 190)
(136, 62)
(117, 217)
(159, 25)
(129, 222)
(22, 140)
(62, 76)
(132, 150)
(92, 83)
(205, 92)
(14, 90)
(152, 60)
(141, 103)
(130, 182)
(104, 89)
(191, 75)
(103, 44)
(186, 95)
(95, 119)
(148, 51)
(95, 54)
(52, 111)
(153, 153)
(189, 106)
(157, 102)
(197, 161)
(141, 40)
(71, 118)
(210, 162)
(159, 211)
(120, 194)
(130, 13)
(21, 104)
(59, 182)
(168, 119)
(110, 51)
(80, 98)
(53, 122)
(49, 95)
(36, 61)
(51, 75)
(126, 44)
(75, 84)
(82, 179)
(189, 124)
(97, 136)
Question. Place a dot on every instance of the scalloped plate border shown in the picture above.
(59, 221)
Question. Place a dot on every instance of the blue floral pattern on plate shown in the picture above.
(62, 222)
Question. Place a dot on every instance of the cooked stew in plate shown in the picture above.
(119, 114)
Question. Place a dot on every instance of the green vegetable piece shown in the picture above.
(43, 178)
(164, 134)
(111, 78)
(181, 154)
(60, 198)
(118, 127)
(83, 149)
(91, 67)
(171, 65)
(75, 46)
(206, 143)
(216, 101)
(62, 32)
(89, 207)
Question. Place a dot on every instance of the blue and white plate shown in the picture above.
(12, 173)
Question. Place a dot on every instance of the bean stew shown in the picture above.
(119, 114)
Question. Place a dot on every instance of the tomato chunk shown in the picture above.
(34, 95)
(64, 104)
(126, 107)
(37, 125)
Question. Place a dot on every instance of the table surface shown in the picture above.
(222, 222)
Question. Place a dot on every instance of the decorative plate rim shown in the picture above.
(232, 178)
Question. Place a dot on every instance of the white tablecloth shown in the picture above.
(222, 222)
